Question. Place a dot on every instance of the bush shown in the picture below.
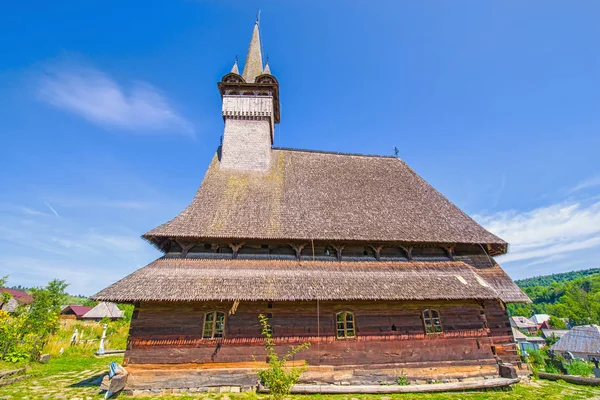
(551, 369)
(402, 381)
(581, 368)
(278, 378)
(25, 332)
(536, 358)
(551, 340)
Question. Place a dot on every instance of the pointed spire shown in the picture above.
(235, 69)
(267, 70)
(253, 65)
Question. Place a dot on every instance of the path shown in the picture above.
(81, 385)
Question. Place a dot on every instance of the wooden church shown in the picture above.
(354, 253)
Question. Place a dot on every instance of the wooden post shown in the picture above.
(298, 249)
(408, 251)
(377, 250)
(338, 250)
(236, 248)
(185, 248)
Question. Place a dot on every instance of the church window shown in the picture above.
(214, 325)
(432, 321)
(345, 325)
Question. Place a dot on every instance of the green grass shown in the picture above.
(76, 373)
(536, 390)
(69, 375)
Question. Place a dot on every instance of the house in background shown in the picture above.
(527, 343)
(539, 319)
(559, 333)
(17, 297)
(523, 323)
(103, 310)
(581, 341)
(74, 311)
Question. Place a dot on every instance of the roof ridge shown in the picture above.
(337, 153)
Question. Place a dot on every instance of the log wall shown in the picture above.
(387, 333)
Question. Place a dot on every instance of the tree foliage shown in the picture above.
(573, 295)
(25, 332)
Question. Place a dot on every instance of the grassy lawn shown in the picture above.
(76, 376)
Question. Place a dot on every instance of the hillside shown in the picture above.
(546, 280)
(574, 295)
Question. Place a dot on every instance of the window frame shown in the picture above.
(429, 325)
(345, 321)
(213, 326)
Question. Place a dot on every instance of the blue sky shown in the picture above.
(110, 115)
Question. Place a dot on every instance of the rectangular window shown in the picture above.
(214, 325)
(432, 321)
(345, 325)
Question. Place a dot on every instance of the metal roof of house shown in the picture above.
(580, 339)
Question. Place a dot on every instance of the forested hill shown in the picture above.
(546, 280)
(574, 295)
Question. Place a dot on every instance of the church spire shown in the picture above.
(267, 70)
(235, 69)
(253, 65)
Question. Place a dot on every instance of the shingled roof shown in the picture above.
(324, 196)
(173, 278)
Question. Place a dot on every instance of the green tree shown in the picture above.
(581, 302)
(25, 332)
(557, 323)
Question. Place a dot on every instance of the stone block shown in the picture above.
(507, 371)
(44, 358)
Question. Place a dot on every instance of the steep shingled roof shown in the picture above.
(173, 278)
(253, 66)
(323, 196)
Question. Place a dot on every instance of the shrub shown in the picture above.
(277, 377)
(24, 333)
(536, 357)
(402, 381)
(550, 368)
(581, 368)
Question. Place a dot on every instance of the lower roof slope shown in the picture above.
(323, 196)
(173, 278)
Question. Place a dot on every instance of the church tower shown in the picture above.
(250, 112)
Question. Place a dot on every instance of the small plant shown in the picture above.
(536, 358)
(581, 368)
(402, 381)
(277, 377)
(550, 368)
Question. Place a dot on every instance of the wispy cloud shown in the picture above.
(97, 97)
(51, 209)
(588, 183)
(547, 233)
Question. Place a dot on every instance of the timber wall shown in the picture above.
(392, 333)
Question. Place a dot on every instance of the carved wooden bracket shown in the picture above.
(377, 250)
(449, 252)
(185, 247)
(164, 244)
(234, 307)
(236, 248)
(338, 250)
(298, 249)
(408, 251)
